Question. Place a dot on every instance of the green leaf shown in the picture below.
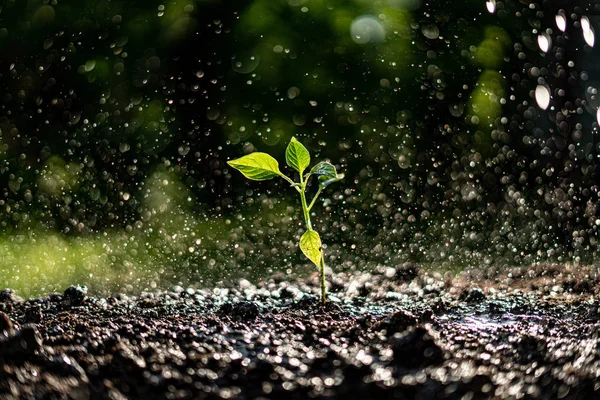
(257, 166)
(325, 180)
(297, 156)
(327, 173)
(310, 244)
(324, 168)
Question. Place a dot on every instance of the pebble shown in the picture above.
(76, 295)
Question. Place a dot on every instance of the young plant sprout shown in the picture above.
(261, 167)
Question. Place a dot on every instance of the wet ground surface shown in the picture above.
(395, 333)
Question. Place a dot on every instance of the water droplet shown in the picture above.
(245, 63)
(588, 31)
(183, 150)
(542, 96)
(90, 65)
(585, 23)
(544, 41)
(561, 20)
(598, 115)
(430, 31)
(491, 6)
(367, 29)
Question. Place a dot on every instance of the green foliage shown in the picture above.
(310, 244)
(296, 156)
(327, 174)
(261, 166)
(323, 168)
(257, 166)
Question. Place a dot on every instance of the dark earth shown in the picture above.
(401, 333)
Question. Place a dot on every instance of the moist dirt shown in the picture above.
(396, 333)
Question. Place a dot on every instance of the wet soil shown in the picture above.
(397, 333)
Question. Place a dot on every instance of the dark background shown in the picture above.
(117, 118)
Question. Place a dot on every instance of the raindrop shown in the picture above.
(367, 29)
(588, 31)
(293, 92)
(245, 63)
(585, 23)
(542, 96)
(183, 150)
(589, 38)
(430, 31)
(491, 6)
(212, 113)
(456, 109)
(544, 41)
(90, 65)
(598, 115)
(561, 20)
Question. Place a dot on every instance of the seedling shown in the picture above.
(261, 167)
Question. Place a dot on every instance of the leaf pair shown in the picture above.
(261, 166)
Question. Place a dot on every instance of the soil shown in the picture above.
(398, 333)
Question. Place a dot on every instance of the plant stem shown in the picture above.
(305, 209)
(312, 203)
(291, 182)
(306, 212)
(323, 286)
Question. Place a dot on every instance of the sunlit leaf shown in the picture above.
(257, 166)
(297, 156)
(310, 244)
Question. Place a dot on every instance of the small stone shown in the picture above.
(8, 296)
(30, 339)
(439, 307)
(76, 295)
(397, 322)
(64, 365)
(243, 310)
(406, 272)
(426, 316)
(55, 297)
(6, 325)
(23, 342)
(34, 314)
(472, 295)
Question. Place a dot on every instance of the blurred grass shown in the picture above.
(43, 262)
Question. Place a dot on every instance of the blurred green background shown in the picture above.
(117, 118)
